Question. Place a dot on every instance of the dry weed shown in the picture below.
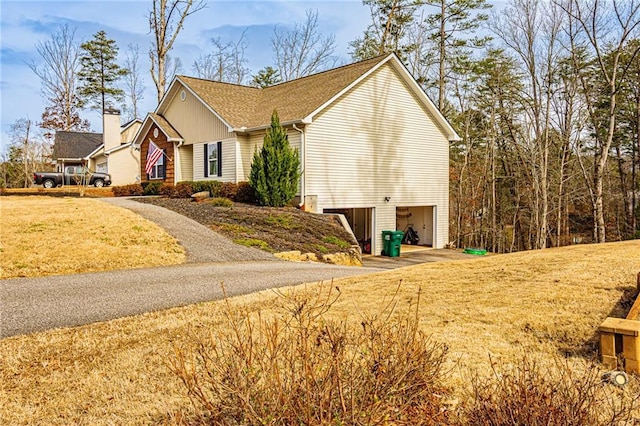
(536, 392)
(296, 366)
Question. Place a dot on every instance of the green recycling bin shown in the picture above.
(391, 243)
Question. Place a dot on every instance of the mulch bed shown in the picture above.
(281, 229)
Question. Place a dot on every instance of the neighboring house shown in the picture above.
(117, 155)
(72, 149)
(108, 152)
(371, 143)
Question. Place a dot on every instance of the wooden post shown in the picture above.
(629, 330)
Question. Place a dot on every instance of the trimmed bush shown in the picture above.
(151, 187)
(183, 190)
(166, 190)
(245, 194)
(206, 185)
(227, 190)
(127, 190)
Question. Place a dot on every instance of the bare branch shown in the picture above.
(166, 20)
(303, 50)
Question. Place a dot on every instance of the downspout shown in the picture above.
(176, 160)
(303, 161)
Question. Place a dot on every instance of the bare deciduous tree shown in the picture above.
(58, 73)
(303, 50)
(226, 63)
(530, 31)
(29, 150)
(604, 29)
(133, 82)
(166, 20)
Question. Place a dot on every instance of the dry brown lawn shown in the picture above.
(42, 236)
(545, 303)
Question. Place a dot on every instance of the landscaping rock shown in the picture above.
(200, 196)
(297, 256)
(351, 258)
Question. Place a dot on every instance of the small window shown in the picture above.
(158, 170)
(183, 95)
(213, 159)
(101, 167)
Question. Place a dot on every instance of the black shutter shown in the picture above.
(164, 164)
(219, 158)
(206, 161)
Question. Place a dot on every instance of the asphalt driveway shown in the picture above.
(35, 304)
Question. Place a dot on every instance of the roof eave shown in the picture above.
(95, 152)
(448, 130)
(169, 138)
(118, 148)
(129, 124)
(266, 126)
(69, 159)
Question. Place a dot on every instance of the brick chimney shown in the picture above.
(111, 128)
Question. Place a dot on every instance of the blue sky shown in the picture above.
(23, 23)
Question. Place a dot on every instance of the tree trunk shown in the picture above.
(442, 54)
(25, 154)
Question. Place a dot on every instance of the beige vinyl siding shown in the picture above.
(378, 141)
(194, 121)
(247, 145)
(244, 157)
(98, 159)
(228, 161)
(124, 166)
(128, 135)
(186, 163)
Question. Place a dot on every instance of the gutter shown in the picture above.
(245, 129)
(303, 163)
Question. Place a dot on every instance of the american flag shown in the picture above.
(153, 155)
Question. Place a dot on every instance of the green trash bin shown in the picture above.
(392, 240)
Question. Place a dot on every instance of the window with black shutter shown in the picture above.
(213, 159)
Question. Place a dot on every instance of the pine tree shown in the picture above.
(275, 168)
(268, 76)
(100, 71)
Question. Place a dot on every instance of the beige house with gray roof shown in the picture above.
(372, 145)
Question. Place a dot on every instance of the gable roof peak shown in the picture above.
(206, 80)
(241, 106)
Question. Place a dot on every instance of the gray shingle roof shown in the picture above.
(75, 144)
